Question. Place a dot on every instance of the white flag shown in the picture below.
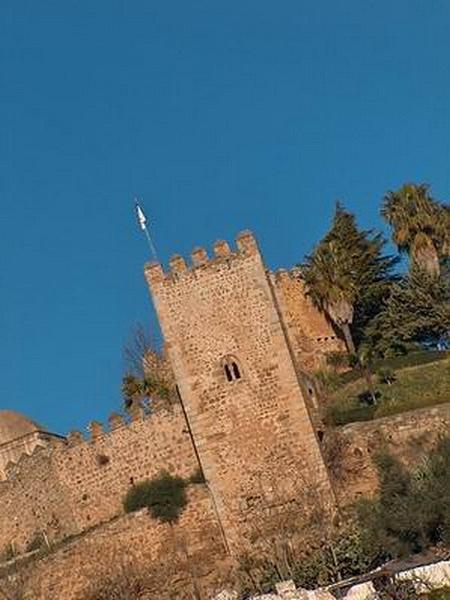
(142, 219)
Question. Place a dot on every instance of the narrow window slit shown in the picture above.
(228, 373)
(236, 372)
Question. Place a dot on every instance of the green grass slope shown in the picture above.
(414, 387)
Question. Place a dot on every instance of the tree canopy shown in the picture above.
(420, 225)
(346, 271)
(417, 309)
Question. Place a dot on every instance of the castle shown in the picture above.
(241, 341)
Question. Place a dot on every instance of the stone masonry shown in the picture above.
(238, 341)
(236, 371)
(68, 489)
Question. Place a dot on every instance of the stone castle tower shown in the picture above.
(234, 336)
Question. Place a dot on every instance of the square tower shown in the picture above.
(235, 373)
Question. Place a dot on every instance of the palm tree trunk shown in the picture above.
(348, 338)
(427, 258)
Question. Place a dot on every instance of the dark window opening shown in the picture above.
(232, 369)
(236, 372)
(228, 373)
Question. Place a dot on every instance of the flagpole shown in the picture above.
(151, 244)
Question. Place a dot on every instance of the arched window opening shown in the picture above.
(232, 369)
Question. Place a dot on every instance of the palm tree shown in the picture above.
(136, 389)
(346, 266)
(345, 271)
(331, 288)
(421, 226)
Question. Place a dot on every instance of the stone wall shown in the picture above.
(310, 333)
(238, 382)
(40, 496)
(12, 451)
(33, 500)
(408, 436)
(98, 473)
(182, 556)
(70, 488)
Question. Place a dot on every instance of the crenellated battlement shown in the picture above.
(246, 245)
(100, 432)
(84, 479)
(285, 275)
(136, 413)
(220, 303)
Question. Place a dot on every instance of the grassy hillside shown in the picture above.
(414, 387)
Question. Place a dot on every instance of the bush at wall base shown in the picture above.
(164, 496)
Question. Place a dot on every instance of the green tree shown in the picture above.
(145, 378)
(347, 271)
(411, 512)
(135, 389)
(417, 309)
(420, 224)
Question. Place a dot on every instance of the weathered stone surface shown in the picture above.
(239, 385)
(131, 544)
(310, 333)
(362, 591)
(408, 436)
(436, 575)
(69, 488)
(238, 341)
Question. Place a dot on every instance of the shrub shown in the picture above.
(353, 360)
(442, 594)
(341, 557)
(325, 558)
(330, 380)
(338, 360)
(395, 589)
(411, 512)
(164, 497)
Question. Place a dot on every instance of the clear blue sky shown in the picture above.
(222, 116)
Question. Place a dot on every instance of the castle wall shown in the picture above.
(70, 488)
(310, 333)
(172, 559)
(33, 500)
(253, 434)
(98, 473)
(11, 452)
(192, 554)
(408, 436)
